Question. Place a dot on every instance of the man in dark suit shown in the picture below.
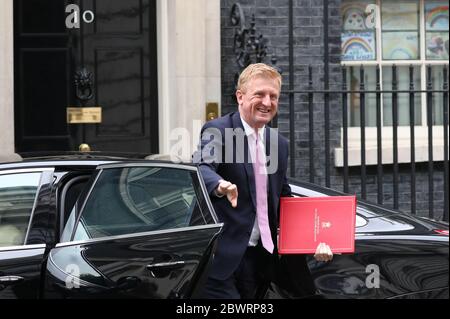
(243, 163)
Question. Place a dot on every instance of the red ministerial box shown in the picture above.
(305, 222)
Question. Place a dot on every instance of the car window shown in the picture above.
(360, 221)
(17, 198)
(69, 195)
(139, 199)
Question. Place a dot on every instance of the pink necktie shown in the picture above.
(261, 198)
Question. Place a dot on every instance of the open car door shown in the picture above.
(24, 220)
(142, 230)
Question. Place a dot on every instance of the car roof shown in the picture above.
(91, 159)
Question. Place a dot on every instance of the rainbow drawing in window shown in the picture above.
(358, 46)
(436, 16)
(400, 46)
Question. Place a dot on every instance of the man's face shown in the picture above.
(258, 101)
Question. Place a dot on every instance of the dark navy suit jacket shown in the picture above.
(239, 221)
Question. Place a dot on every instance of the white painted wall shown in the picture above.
(6, 78)
(188, 67)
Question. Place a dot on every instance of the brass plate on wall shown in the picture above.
(212, 111)
(84, 115)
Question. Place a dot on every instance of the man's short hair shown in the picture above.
(257, 70)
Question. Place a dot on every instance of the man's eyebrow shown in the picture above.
(258, 92)
(263, 91)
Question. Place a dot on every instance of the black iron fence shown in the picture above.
(394, 93)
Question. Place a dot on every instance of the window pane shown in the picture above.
(403, 83)
(358, 46)
(400, 26)
(437, 45)
(400, 15)
(436, 25)
(354, 99)
(437, 78)
(358, 35)
(436, 16)
(354, 16)
(400, 45)
(17, 197)
(135, 200)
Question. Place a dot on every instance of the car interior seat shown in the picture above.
(11, 235)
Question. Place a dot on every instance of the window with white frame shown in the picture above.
(383, 33)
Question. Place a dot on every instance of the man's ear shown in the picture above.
(239, 96)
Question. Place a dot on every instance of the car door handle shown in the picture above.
(170, 264)
(164, 269)
(11, 279)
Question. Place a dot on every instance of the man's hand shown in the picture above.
(323, 253)
(230, 190)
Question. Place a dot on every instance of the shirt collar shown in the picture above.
(250, 131)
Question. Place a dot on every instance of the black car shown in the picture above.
(90, 226)
(397, 256)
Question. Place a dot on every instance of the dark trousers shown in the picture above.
(253, 273)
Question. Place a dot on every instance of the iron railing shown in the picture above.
(394, 92)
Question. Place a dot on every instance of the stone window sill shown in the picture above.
(404, 154)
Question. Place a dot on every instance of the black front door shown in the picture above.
(117, 49)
